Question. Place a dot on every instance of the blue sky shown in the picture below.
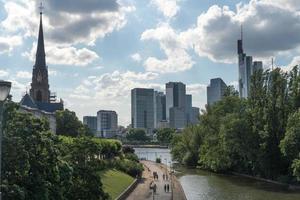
(97, 50)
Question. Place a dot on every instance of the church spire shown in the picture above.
(40, 61)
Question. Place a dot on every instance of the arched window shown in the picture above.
(39, 95)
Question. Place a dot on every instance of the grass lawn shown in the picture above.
(115, 182)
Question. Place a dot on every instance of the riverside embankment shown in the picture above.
(143, 191)
(204, 185)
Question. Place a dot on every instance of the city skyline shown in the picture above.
(98, 67)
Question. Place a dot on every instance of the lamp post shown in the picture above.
(4, 92)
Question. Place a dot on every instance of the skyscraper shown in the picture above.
(159, 108)
(215, 91)
(246, 69)
(175, 96)
(107, 123)
(91, 122)
(188, 108)
(142, 109)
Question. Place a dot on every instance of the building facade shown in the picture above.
(142, 109)
(175, 96)
(246, 69)
(91, 123)
(215, 90)
(159, 108)
(178, 118)
(107, 124)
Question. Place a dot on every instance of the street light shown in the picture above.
(4, 92)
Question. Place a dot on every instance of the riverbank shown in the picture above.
(143, 191)
(178, 192)
(288, 186)
(204, 185)
(150, 146)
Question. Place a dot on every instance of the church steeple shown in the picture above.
(40, 85)
(40, 61)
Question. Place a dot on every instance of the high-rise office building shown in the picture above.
(142, 109)
(257, 65)
(195, 115)
(175, 96)
(159, 108)
(188, 108)
(107, 123)
(177, 117)
(91, 123)
(246, 69)
(215, 91)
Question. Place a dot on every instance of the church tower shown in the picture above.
(39, 91)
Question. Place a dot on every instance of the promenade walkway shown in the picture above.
(143, 191)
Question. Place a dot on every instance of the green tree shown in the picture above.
(165, 135)
(86, 179)
(68, 124)
(137, 135)
(290, 144)
(32, 168)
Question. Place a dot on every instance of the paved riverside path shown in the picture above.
(142, 190)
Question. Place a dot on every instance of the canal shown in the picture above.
(203, 185)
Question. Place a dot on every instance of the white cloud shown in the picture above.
(136, 57)
(270, 28)
(3, 73)
(177, 59)
(110, 91)
(65, 55)
(68, 21)
(23, 75)
(169, 8)
(7, 43)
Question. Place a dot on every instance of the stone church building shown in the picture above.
(40, 101)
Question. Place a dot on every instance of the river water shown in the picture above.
(203, 185)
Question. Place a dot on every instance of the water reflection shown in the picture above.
(203, 185)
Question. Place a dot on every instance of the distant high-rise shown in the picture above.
(195, 115)
(246, 69)
(142, 109)
(159, 108)
(107, 123)
(91, 123)
(178, 117)
(188, 108)
(175, 96)
(215, 91)
(257, 65)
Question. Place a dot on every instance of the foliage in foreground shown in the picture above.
(40, 165)
(259, 136)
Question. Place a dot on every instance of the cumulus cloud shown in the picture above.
(65, 55)
(7, 43)
(111, 91)
(269, 29)
(3, 73)
(23, 75)
(177, 59)
(69, 21)
(136, 57)
(169, 8)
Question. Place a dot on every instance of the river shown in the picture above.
(203, 185)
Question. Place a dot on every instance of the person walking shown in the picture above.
(165, 187)
(168, 188)
(164, 176)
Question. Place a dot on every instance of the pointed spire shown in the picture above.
(40, 53)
